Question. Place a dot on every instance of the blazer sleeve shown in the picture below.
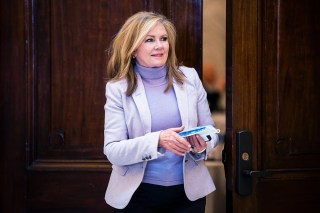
(118, 147)
(203, 113)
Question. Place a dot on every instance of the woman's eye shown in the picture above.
(164, 38)
(149, 40)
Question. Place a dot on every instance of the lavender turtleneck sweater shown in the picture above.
(168, 169)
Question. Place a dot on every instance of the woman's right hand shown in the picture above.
(172, 141)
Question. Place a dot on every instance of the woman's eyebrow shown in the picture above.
(153, 36)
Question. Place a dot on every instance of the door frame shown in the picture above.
(242, 91)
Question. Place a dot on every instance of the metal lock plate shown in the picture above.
(244, 162)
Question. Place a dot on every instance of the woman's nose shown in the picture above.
(158, 45)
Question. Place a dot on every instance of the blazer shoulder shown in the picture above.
(189, 72)
(120, 85)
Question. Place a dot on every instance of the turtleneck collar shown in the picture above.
(151, 72)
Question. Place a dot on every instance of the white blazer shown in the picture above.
(129, 143)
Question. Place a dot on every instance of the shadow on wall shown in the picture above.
(215, 85)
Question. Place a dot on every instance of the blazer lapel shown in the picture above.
(182, 99)
(140, 99)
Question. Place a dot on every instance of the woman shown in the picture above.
(149, 100)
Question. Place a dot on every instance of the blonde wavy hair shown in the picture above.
(128, 39)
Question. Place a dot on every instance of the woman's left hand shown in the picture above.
(197, 143)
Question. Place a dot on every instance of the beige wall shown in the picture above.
(214, 48)
(214, 33)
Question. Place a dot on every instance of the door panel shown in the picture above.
(290, 91)
(67, 191)
(272, 62)
(66, 52)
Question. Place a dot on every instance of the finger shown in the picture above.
(198, 143)
(193, 141)
(177, 129)
(170, 140)
(173, 147)
(181, 145)
(182, 142)
(201, 142)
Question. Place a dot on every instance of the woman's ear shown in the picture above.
(134, 54)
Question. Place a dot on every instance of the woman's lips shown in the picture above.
(158, 55)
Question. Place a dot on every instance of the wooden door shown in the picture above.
(53, 56)
(273, 92)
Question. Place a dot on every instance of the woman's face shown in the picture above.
(153, 51)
